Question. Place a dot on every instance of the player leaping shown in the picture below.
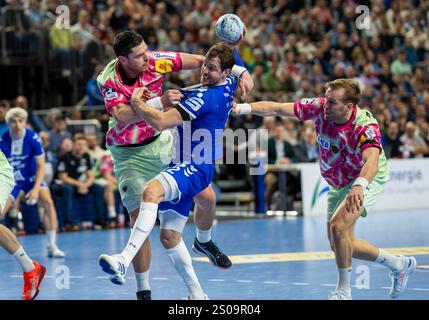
(353, 163)
(206, 108)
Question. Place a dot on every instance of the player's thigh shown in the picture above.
(45, 195)
(344, 219)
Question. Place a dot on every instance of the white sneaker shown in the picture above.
(400, 278)
(189, 297)
(339, 295)
(114, 266)
(55, 252)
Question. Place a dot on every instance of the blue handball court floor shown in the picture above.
(282, 258)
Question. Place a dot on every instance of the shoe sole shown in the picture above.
(106, 266)
(50, 255)
(405, 282)
(38, 284)
(212, 261)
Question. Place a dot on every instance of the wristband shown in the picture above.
(238, 71)
(155, 103)
(361, 182)
(244, 108)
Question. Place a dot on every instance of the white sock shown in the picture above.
(204, 235)
(344, 275)
(143, 226)
(111, 212)
(22, 258)
(51, 235)
(181, 260)
(142, 279)
(390, 261)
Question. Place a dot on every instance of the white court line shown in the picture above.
(420, 289)
(385, 287)
(328, 285)
(246, 281)
(300, 283)
(273, 282)
(159, 278)
(101, 277)
(217, 280)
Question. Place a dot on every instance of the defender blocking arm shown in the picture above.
(266, 108)
(156, 118)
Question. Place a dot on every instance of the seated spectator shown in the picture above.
(279, 152)
(412, 144)
(74, 171)
(307, 149)
(96, 154)
(58, 133)
(390, 141)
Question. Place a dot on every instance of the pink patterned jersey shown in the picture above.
(341, 146)
(115, 92)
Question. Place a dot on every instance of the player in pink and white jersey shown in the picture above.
(140, 152)
(353, 163)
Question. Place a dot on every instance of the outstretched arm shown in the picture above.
(266, 108)
(191, 61)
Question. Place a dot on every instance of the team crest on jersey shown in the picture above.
(324, 143)
(163, 66)
(111, 94)
(369, 133)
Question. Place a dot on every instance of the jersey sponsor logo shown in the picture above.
(163, 55)
(111, 94)
(323, 142)
(163, 66)
(308, 100)
(16, 148)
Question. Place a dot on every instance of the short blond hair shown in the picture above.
(16, 113)
(351, 88)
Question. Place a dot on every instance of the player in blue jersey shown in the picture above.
(204, 109)
(24, 151)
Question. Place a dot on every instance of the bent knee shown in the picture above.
(206, 198)
(169, 238)
(338, 230)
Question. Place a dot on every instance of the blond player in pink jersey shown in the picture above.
(353, 163)
(140, 152)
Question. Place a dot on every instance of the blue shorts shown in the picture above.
(25, 186)
(190, 179)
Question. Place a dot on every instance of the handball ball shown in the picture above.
(229, 28)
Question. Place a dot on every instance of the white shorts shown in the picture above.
(172, 220)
